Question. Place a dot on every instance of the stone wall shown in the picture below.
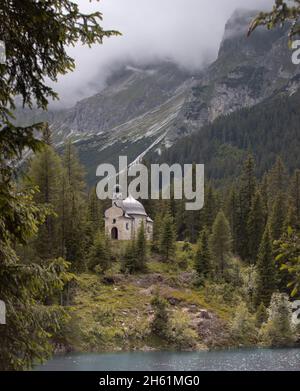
(127, 227)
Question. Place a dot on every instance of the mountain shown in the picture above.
(148, 108)
(267, 130)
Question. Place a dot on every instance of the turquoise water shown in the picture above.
(229, 360)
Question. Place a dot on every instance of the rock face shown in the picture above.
(246, 72)
(148, 108)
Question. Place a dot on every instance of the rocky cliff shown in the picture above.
(150, 107)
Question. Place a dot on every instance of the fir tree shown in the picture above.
(141, 250)
(294, 194)
(278, 217)
(246, 195)
(220, 243)
(39, 57)
(277, 180)
(95, 211)
(255, 226)
(266, 271)
(73, 208)
(232, 214)
(45, 172)
(100, 254)
(202, 259)
(157, 227)
(210, 210)
(167, 238)
(129, 264)
(160, 325)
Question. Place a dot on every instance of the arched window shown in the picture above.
(114, 221)
(127, 226)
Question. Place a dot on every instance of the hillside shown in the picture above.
(266, 130)
(114, 312)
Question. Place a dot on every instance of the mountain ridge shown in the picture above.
(150, 107)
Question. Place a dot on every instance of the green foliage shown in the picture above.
(129, 258)
(45, 172)
(247, 188)
(160, 325)
(157, 232)
(181, 335)
(100, 254)
(294, 195)
(220, 244)
(266, 271)
(288, 256)
(95, 212)
(249, 278)
(281, 13)
(203, 261)
(167, 238)
(255, 225)
(23, 286)
(243, 328)
(141, 251)
(247, 130)
(73, 211)
(278, 330)
(45, 53)
(277, 217)
(136, 254)
(261, 315)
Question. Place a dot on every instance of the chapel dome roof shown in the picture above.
(133, 207)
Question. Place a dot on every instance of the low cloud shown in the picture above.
(187, 32)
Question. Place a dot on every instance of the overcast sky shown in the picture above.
(188, 32)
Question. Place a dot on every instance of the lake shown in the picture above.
(227, 360)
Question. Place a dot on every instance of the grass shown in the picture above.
(117, 315)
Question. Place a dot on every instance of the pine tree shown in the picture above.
(141, 250)
(41, 55)
(294, 194)
(255, 226)
(100, 254)
(210, 210)
(278, 216)
(167, 238)
(160, 325)
(277, 180)
(73, 209)
(220, 243)
(266, 271)
(202, 259)
(45, 172)
(290, 220)
(246, 195)
(129, 264)
(95, 211)
(157, 232)
(232, 214)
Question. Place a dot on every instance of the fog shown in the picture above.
(187, 32)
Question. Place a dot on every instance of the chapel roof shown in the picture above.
(133, 207)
